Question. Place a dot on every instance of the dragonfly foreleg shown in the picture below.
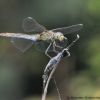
(46, 52)
(54, 49)
(73, 42)
(58, 46)
(55, 45)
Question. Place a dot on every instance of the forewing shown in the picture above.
(69, 30)
(31, 25)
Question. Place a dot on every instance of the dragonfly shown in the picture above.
(44, 39)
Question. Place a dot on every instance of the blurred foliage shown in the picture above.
(23, 72)
(93, 55)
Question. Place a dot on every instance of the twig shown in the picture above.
(59, 96)
(47, 83)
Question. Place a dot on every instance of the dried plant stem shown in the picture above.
(48, 81)
(59, 96)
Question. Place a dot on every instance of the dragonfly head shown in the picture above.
(59, 36)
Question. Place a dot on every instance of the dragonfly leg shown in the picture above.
(55, 45)
(54, 49)
(58, 46)
(73, 42)
(46, 52)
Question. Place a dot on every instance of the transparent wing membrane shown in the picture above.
(69, 30)
(21, 44)
(42, 46)
(31, 25)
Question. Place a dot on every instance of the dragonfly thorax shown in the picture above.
(47, 36)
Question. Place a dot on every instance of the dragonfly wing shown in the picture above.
(21, 44)
(69, 30)
(42, 46)
(19, 40)
(31, 25)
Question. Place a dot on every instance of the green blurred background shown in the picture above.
(78, 75)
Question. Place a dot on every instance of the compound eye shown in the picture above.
(61, 38)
